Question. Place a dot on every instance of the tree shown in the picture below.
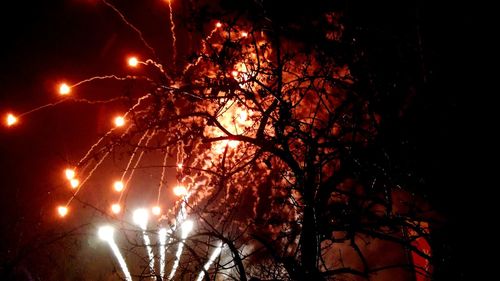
(284, 128)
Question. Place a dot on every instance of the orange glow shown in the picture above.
(156, 210)
(234, 73)
(180, 190)
(64, 89)
(218, 25)
(70, 174)
(119, 121)
(133, 62)
(63, 211)
(74, 183)
(179, 165)
(10, 119)
(116, 208)
(118, 186)
(244, 34)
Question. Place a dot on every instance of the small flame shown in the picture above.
(133, 62)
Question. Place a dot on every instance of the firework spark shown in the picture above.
(106, 233)
(186, 228)
(212, 258)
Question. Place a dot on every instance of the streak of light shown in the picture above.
(138, 31)
(140, 218)
(162, 233)
(162, 178)
(212, 258)
(111, 131)
(186, 228)
(88, 176)
(106, 233)
(203, 49)
(138, 158)
(172, 30)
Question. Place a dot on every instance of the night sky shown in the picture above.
(45, 42)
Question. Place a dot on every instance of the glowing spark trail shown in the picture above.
(207, 265)
(162, 178)
(106, 234)
(64, 89)
(163, 241)
(172, 30)
(111, 131)
(186, 228)
(203, 47)
(140, 218)
(124, 19)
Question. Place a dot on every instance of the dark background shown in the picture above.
(44, 42)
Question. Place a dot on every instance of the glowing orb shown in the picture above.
(179, 165)
(133, 62)
(234, 73)
(64, 89)
(106, 232)
(118, 186)
(63, 211)
(119, 121)
(218, 25)
(116, 208)
(140, 218)
(180, 190)
(156, 210)
(11, 119)
(244, 34)
(74, 183)
(70, 174)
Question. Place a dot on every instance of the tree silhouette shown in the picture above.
(288, 131)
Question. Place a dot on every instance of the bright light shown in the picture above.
(233, 144)
(218, 25)
(133, 62)
(11, 119)
(140, 217)
(74, 183)
(64, 89)
(179, 165)
(162, 233)
(156, 210)
(106, 232)
(244, 34)
(242, 117)
(118, 186)
(180, 190)
(186, 227)
(70, 174)
(116, 208)
(119, 121)
(63, 211)
(212, 258)
(234, 73)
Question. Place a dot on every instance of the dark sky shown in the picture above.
(44, 42)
